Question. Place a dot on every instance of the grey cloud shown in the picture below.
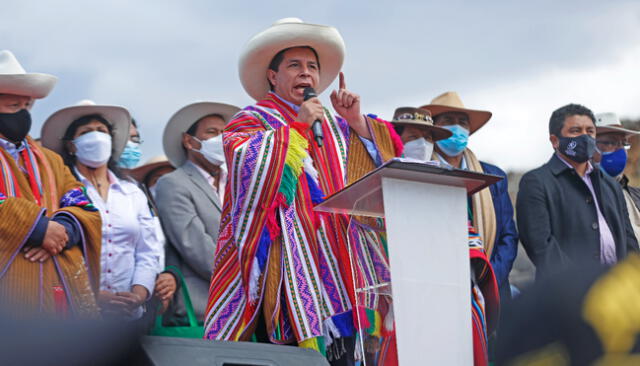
(154, 57)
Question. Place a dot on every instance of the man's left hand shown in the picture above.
(347, 105)
(36, 254)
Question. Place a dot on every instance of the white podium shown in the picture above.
(425, 210)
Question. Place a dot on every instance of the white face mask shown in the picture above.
(212, 150)
(93, 149)
(419, 149)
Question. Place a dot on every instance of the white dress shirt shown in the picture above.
(130, 254)
(161, 242)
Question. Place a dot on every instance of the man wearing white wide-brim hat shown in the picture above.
(189, 199)
(612, 141)
(280, 265)
(49, 230)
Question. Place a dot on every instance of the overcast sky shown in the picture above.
(520, 60)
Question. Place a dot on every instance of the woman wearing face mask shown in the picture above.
(417, 132)
(167, 281)
(132, 153)
(93, 139)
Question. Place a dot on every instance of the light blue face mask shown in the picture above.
(454, 145)
(130, 156)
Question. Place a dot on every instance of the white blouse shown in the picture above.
(131, 250)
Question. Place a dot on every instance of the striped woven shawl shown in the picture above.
(274, 253)
(65, 284)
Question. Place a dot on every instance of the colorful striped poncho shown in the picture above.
(485, 298)
(65, 285)
(276, 255)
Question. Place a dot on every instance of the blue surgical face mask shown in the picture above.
(454, 145)
(613, 163)
(130, 155)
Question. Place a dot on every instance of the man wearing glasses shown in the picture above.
(570, 213)
(612, 143)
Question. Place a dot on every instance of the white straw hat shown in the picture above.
(15, 80)
(56, 125)
(609, 122)
(286, 33)
(185, 118)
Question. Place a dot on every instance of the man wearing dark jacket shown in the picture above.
(567, 211)
(612, 143)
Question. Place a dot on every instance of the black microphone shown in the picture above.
(316, 126)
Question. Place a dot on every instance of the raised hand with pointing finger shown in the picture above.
(347, 104)
(282, 165)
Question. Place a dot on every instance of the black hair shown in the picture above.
(135, 125)
(399, 129)
(556, 122)
(194, 127)
(70, 159)
(279, 57)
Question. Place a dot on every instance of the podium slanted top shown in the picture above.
(364, 196)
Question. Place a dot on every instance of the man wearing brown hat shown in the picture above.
(491, 209)
(417, 132)
(49, 230)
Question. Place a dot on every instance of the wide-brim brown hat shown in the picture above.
(15, 80)
(609, 122)
(185, 118)
(140, 173)
(451, 102)
(286, 33)
(409, 116)
(56, 125)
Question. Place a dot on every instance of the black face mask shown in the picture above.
(15, 126)
(579, 148)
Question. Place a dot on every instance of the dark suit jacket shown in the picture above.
(557, 217)
(505, 247)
